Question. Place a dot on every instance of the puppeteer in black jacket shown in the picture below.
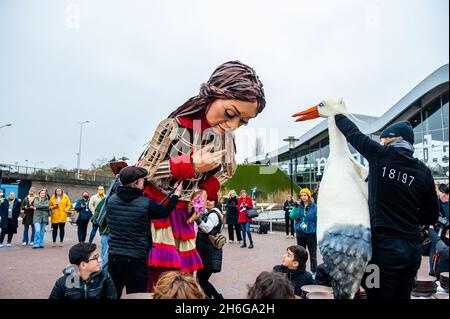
(402, 193)
(402, 197)
(128, 213)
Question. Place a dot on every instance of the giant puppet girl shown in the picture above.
(196, 145)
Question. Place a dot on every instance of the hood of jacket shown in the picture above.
(71, 269)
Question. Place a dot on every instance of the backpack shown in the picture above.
(216, 238)
(263, 229)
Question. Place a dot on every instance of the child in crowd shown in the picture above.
(294, 265)
(84, 279)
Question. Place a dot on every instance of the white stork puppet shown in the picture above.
(343, 221)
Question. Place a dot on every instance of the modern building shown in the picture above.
(425, 107)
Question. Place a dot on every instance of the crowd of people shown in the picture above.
(128, 262)
(37, 210)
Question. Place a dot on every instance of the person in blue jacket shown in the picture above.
(304, 214)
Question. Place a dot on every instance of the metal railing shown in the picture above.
(56, 173)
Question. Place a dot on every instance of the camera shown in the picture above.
(442, 222)
(443, 188)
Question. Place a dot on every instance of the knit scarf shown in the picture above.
(403, 144)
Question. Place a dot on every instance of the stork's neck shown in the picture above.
(338, 143)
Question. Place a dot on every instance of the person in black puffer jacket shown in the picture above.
(128, 213)
(232, 217)
(210, 223)
(84, 279)
(294, 265)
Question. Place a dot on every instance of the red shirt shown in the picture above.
(248, 203)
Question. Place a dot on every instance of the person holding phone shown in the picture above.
(304, 213)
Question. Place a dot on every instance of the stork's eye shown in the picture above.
(321, 104)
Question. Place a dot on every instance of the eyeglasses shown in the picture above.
(96, 257)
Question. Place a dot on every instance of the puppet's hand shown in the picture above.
(204, 161)
(193, 217)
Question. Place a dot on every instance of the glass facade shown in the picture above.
(431, 136)
(430, 123)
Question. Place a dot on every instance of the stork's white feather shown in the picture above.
(343, 192)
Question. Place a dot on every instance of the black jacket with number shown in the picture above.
(128, 213)
(402, 193)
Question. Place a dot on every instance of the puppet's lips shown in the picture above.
(222, 128)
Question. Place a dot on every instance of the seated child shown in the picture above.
(84, 279)
(294, 265)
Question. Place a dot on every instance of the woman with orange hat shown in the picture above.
(304, 214)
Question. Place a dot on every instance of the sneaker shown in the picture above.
(24, 244)
(243, 245)
(231, 241)
(8, 245)
(1, 245)
(53, 244)
(31, 244)
(250, 246)
(287, 236)
(61, 244)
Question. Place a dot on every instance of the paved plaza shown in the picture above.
(27, 273)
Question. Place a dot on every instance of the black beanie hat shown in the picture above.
(401, 129)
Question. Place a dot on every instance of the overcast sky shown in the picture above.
(125, 65)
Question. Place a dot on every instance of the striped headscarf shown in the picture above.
(231, 80)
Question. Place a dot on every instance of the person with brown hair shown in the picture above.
(40, 217)
(294, 266)
(174, 285)
(27, 217)
(60, 205)
(271, 285)
(210, 223)
(195, 145)
(304, 213)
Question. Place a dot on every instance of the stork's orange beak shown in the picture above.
(309, 114)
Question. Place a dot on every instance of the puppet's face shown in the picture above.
(230, 114)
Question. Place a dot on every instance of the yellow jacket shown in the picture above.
(59, 214)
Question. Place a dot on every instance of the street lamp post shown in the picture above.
(291, 140)
(79, 148)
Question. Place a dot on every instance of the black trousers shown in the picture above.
(398, 261)
(237, 228)
(82, 229)
(128, 272)
(55, 227)
(203, 276)
(288, 220)
(309, 241)
(8, 231)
